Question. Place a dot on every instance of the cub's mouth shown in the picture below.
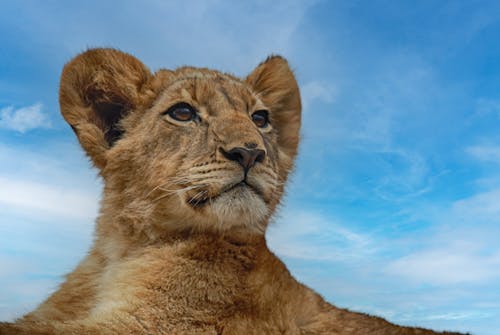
(240, 190)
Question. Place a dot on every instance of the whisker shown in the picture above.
(185, 180)
(177, 180)
(169, 192)
(182, 189)
(198, 197)
(154, 189)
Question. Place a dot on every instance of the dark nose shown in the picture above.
(245, 157)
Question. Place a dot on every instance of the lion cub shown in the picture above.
(194, 163)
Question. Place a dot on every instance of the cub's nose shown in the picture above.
(245, 157)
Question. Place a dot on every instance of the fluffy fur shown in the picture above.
(179, 242)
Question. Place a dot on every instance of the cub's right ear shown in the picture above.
(98, 88)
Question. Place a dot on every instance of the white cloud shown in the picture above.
(485, 153)
(23, 119)
(317, 91)
(453, 264)
(478, 209)
(462, 248)
(52, 180)
(49, 199)
(48, 204)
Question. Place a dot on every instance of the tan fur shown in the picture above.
(177, 250)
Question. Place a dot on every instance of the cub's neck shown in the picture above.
(116, 242)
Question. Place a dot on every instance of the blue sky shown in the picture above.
(394, 207)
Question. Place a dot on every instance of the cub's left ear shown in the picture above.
(274, 81)
(98, 89)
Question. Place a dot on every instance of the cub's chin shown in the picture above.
(241, 206)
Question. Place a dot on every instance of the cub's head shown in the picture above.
(185, 149)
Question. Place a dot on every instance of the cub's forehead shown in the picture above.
(211, 89)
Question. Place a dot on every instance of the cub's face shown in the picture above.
(184, 149)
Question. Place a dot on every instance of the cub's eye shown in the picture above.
(261, 118)
(182, 112)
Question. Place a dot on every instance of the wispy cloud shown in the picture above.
(236, 42)
(486, 106)
(24, 119)
(455, 316)
(407, 175)
(485, 153)
(307, 235)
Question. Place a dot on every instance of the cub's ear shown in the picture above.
(98, 88)
(274, 81)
